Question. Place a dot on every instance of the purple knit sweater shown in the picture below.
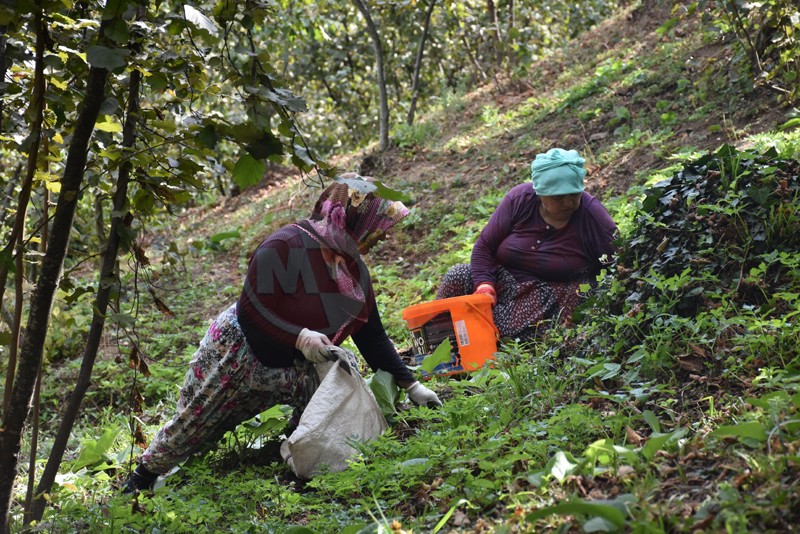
(517, 238)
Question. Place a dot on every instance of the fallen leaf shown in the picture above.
(690, 363)
(697, 350)
(632, 436)
(625, 471)
(460, 518)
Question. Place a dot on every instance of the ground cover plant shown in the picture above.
(670, 406)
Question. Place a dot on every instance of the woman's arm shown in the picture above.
(378, 350)
(483, 263)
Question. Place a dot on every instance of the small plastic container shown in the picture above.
(466, 321)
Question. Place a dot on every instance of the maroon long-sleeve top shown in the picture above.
(520, 240)
(289, 287)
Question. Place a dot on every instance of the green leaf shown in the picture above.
(791, 123)
(117, 31)
(560, 466)
(7, 260)
(656, 442)
(248, 171)
(651, 419)
(601, 451)
(605, 511)
(7, 16)
(6, 338)
(268, 421)
(299, 530)
(285, 98)
(355, 528)
(752, 430)
(87, 456)
(127, 235)
(267, 145)
(766, 401)
(598, 524)
(222, 236)
(224, 10)
(442, 354)
(122, 319)
(362, 186)
(108, 126)
(197, 18)
(388, 193)
(114, 8)
(94, 452)
(106, 58)
(157, 81)
(208, 136)
(384, 387)
(302, 158)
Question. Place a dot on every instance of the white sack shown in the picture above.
(342, 408)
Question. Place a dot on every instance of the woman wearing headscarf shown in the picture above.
(306, 291)
(542, 242)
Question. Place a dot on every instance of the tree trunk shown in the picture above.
(42, 299)
(99, 219)
(15, 238)
(491, 9)
(34, 446)
(16, 326)
(5, 203)
(3, 65)
(107, 283)
(472, 58)
(38, 388)
(384, 103)
(418, 64)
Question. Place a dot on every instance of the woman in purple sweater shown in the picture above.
(543, 241)
(306, 291)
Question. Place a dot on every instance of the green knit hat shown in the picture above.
(558, 172)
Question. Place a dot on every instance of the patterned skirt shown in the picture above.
(523, 309)
(224, 386)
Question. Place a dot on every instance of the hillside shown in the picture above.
(518, 448)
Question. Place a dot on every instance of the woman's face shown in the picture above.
(561, 206)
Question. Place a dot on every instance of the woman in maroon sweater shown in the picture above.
(543, 241)
(306, 290)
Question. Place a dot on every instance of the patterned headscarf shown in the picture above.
(346, 216)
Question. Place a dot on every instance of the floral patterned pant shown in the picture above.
(225, 385)
(521, 306)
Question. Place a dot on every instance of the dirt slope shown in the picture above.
(585, 124)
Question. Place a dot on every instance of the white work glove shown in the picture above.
(421, 395)
(313, 345)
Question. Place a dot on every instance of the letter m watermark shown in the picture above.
(270, 267)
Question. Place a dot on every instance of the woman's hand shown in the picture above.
(421, 395)
(487, 289)
(313, 345)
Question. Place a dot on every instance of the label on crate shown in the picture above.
(418, 337)
(461, 332)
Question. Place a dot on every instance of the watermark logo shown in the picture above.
(274, 275)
